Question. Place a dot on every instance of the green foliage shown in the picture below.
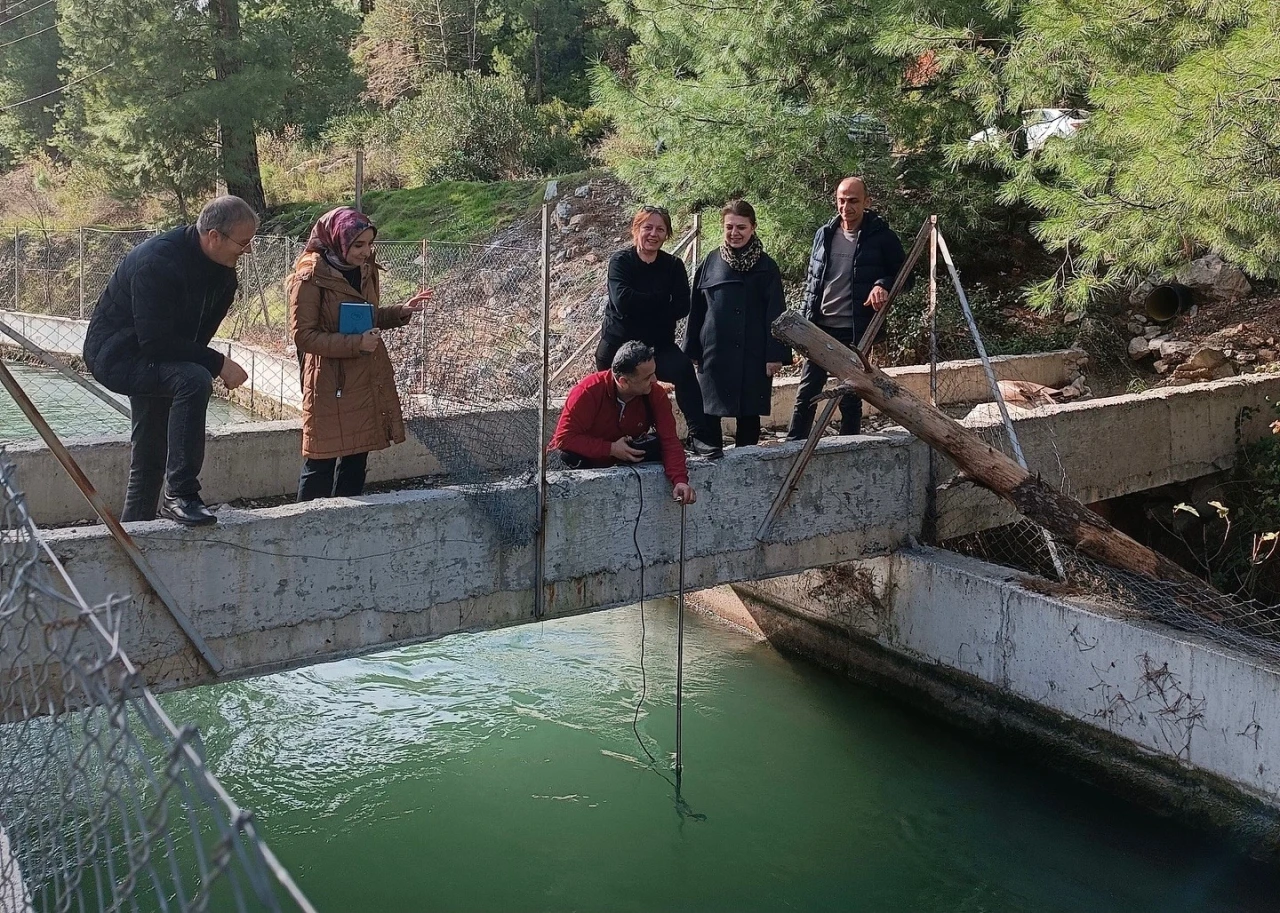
(466, 127)
(160, 83)
(545, 45)
(28, 70)
(445, 211)
(1180, 154)
(780, 104)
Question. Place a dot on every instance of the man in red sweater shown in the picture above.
(608, 416)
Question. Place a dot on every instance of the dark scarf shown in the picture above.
(744, 258)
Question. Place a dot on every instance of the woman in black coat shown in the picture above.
(737, 294)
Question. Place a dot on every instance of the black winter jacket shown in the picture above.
(876, 262)
(728, 334)
(646, 300)
(164, 302)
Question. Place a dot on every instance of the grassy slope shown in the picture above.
(449, 211)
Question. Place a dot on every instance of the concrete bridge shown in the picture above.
(299, 584)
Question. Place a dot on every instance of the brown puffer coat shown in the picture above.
(349, 400)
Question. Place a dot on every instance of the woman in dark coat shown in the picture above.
(737, 294)
(648, 294)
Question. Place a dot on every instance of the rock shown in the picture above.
(1224, 370)
(1266, 355)
(1072, 317)
(1151, 332)
(553, 188)
(1171, 350)
(1213, 276)
(580, 221)
(1074, 389)
(1230, 332)
(1026, 394)
(563, 211)
(1246, 358)
(1206, 359)
(1134, 328)
(583, 191)
(1251, 342)
(590, 257)
(1138, 347)
(1161, 366)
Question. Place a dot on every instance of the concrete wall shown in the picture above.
(959, 381)
(1186, 432)
(1103, 448)
(303, 583)
(1171, 719)
(261, 460)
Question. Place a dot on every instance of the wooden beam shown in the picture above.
(1034, 498)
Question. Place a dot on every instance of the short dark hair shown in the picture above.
(739, 208)
(630, 357)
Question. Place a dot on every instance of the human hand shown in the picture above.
(878, 297)
(772, 368)
(418, 301)
(232, 374)
(369, 340)
(683, 493)
(621, 449)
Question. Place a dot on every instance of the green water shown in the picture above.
(499, 772)
(74, 412)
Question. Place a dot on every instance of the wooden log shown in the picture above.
(1034, 498)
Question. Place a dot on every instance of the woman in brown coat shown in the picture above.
(349, 400)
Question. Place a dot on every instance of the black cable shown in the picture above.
(644, 682)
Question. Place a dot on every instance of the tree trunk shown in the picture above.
(537, 55)
(238, 138)
(1035, 499)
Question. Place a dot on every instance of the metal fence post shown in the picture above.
(540, 559)
(422, 337)
(17, 267)
(81, 256)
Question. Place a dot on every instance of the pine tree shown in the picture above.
(28, 77)
(778, 99)
(173, 95)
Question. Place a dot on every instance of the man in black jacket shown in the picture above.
(149, 339)
(854, 261)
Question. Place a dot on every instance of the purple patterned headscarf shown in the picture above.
(334, 233)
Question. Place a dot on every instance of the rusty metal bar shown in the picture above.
(123, 539)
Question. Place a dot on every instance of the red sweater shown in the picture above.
(592, 421)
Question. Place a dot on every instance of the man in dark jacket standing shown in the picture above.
(149, 339)
(854, 261)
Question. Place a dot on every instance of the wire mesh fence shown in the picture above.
(105, 803)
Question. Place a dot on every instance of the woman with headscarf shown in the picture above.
(737, 294)
(349, 400)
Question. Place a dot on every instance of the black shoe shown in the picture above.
(703, 449)
(187, 511)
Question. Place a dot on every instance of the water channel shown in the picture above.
(74, 412)
(499, 772)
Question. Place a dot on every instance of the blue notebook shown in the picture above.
(355, 317)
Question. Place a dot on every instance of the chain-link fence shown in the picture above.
(105, 803)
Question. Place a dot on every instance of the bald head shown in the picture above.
(849, 183)
(851, 202)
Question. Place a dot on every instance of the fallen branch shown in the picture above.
(1034, 498)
